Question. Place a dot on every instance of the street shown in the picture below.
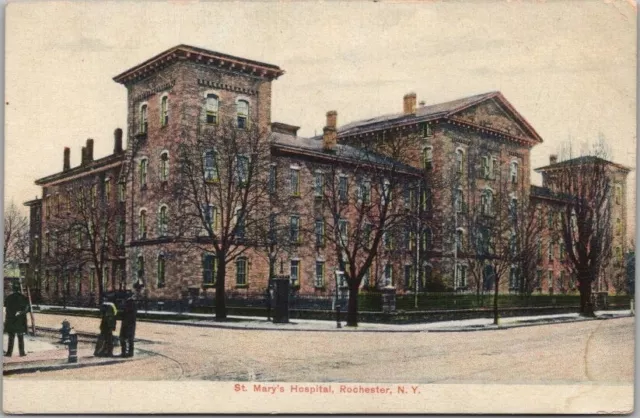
(579, 352)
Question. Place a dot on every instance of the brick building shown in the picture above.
(461, 156)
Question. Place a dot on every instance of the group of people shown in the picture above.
(104, 346)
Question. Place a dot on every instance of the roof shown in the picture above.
(201, 55)
(547, 193)
(432, 112)
(33, 202)
(89, 166)
(345, 153)
(588, 159)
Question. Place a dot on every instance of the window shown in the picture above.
(618, 227)
(144, 163)
(342, 188)
(47, 243)
(94, 195)
(551, 244)
(365, 191)
(210, 165)
(550, 280)
(427, 200)
(539, 251)
(163, 221)
(513, 209)
(426, 239)
(211, 217)
(388, 274)
(242, 169)
(427, 158)
(143, 119)
(164, 166)
(242, 109)
(120, 233)
(294, 184)
(343, 229)
(78, 284)
(142, 225)
(107, 189)
(92, 279)
(122, 192)
(318, 185)
(319, 229)
(273, 178)
(618, 193)
(561, 252)
(513, 172)
(342, 283)
(240, 224)
(273, 225)
(387, 194)
(319, 282)
(209, 268)
(513, 278)
(211, 109)
(618, 256)
(408, 276)
(161, 271)
(550, 219)
(241, 271)
(164, 111)
(387, 240)
(425, 130)
(366, 234)
(486, 168)
(294, 229)
(140, 268)
(459, 240)
(486, 202)
(561, 281)
(458, 200)
(460, 161)
(294, 273)
(461, 276)
(105, 277)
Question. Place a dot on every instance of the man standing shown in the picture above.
(17, 306)
(128, 327)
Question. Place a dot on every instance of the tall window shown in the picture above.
(240, 224)
(319, 227)
(273, 178)
(294, 273)
(343, 229)
(618, 193)
(486, 202)
(273, 225)
(461, 276)
(618, 227)
(408, 276)
(459, 240)
(140, 269)
(120, 234)
(561, 252)
(460, 161)
(486, 167)
(425, 130)
(241, 271)
(294, 184)
(164, 166)
(122, 192)
(342, 188)
(107, 190)
(242, 108)
(163, 221)
(365, 191)
(142, 225)
(294, 229)
(210, 165)
(242, 169)
(318, 185)
(427, 200)
(164, 111)
(513, 278)
(388, 274)
(550, 280)
(513, 172)
(144, 165)
(319, 282)
(211, 109)
(426, 239)
(94, 195)
(143, 119)
(47, 243)
(161, 271)
(459, 200)
(92, 279)
(387, 240)
(366, 234)
(551, 244)
(209, 268)
(427, 158)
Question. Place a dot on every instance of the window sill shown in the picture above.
(211, 181)
(242, 286)
(316, 287)
(208, 285)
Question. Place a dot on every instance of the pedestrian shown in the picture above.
(104, 346)
(17, 306)
(128, 327)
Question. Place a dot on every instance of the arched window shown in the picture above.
(142, 224)
(242, 110)
(143, 118)
(459, 240)
(161, 271)
(142, 172)
(241, 271)
(427, 158)
(486, 202)
(210, 165)
(211, 109)
(140, 269)
(164, 110)
(460, 161)
(163, 221)
(513, 172)
(618, 227)
(164, 166)
(459, 200)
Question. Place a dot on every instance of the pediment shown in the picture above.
(496, 114)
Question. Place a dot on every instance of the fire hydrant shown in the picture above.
(73, 346)
(66, 327)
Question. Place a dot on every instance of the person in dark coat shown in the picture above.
(17, 306)
(128, 327)
(104, 346)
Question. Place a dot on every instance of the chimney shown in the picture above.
(117, 141)
(330, 135)
(409, 104)
(553, 158)
(422, 103)
(83, 156)
(66, 165)
(89, 147)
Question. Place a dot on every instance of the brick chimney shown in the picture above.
(89, 147)
(330, 134)
(66, 165)
(83, 156)
(553, 158)
(117, 141)
(409, 104)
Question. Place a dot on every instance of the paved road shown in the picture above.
(600, 351)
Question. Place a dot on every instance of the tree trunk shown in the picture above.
(586, 307)
(495, 299)
(221, 307)
(352, 309)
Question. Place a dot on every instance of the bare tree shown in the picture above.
(222, 195)
(16, 236)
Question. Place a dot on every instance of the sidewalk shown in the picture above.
(260, 323)
(44, 354)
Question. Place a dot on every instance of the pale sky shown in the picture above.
(569, 67)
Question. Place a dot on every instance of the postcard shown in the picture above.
(319, 207)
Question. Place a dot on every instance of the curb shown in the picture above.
(53, 367)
